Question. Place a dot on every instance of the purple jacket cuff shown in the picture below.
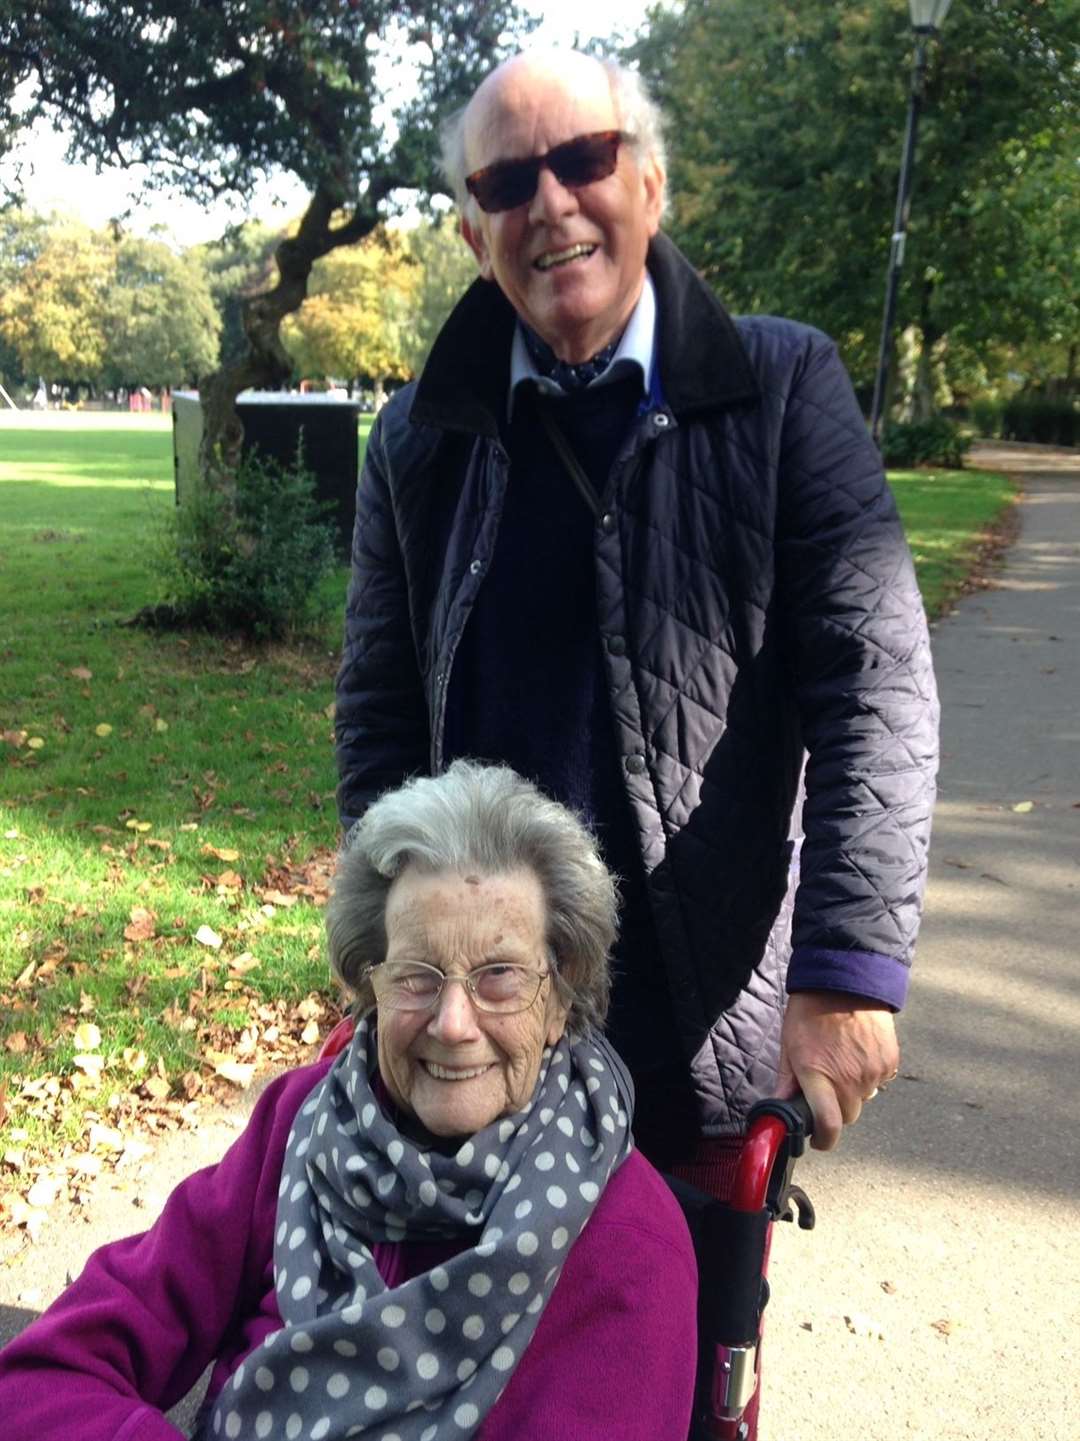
(863, 973)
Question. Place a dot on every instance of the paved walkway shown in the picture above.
(949, 1221)
(950, 1217)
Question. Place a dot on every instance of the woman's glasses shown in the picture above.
(581, 161)
(503, 988)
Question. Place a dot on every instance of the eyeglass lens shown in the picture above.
(581, 161)
(409, 986)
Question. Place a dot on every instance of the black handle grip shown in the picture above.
(795, 1113)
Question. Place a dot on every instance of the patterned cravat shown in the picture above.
(568, 377)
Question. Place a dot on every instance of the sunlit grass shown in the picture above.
(948, 516)
(129, 757)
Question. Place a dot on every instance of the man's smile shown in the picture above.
(551, 258)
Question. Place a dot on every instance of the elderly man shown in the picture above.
(645, 554)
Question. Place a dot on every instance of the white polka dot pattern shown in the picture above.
(429, 1358)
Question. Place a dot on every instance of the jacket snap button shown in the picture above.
(607, 522)
(617, 645)
(661, 420)
(475, 568)
(635, 764)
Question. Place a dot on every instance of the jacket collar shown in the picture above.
(703, 365)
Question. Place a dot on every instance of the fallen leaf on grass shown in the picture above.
(207, 936)
(141, 827)
(16, 1043)
(35, 743)
(23, 979)
(87, 1036)
(103, 730)
(91, 1065)
(13, 738)
(240, 1073)
(161, 726)
(189, 826)
(230, 880)
(310, 1034)
(240, 965)
(11, 835)
(1022, 807)
(81, 672)
(156, 1087)
(105, 1138)
(142, 925)
(221, 853)
(276, 898)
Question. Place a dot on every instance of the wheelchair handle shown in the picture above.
(777, 1132)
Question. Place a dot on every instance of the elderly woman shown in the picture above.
(444, 1232)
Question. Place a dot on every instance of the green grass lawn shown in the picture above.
(180, 780)
(152, 785)
(948, 515)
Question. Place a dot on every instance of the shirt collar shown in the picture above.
(635, 349)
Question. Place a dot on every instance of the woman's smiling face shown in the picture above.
(454, 1067)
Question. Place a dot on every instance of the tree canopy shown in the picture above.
(345, 94)
(786, 134)
(356, 316)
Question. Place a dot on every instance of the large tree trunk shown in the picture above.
(267, 364)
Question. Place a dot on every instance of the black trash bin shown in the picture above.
(274, 422)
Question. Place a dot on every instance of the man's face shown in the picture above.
(570, 261)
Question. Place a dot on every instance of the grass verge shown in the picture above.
(956, 521)
(166, 810)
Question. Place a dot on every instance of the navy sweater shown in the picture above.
(529, 688)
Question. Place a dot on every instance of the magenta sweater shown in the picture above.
(613, 1355)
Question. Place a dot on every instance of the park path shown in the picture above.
(949, 1218)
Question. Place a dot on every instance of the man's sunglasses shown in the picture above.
(509, 183)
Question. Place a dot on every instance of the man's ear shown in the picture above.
(653, 180)
(474, 239)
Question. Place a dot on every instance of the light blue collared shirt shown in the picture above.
(636, 348)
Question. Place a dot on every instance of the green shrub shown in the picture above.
(251, 565)
(1049, 420)
(925, 442)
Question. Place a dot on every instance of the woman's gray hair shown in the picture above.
(484, 818)
(637, 113)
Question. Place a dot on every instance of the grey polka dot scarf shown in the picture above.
(428, 1358)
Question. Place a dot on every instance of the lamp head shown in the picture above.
(928, 16)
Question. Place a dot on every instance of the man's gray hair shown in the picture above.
(488, 819)
(636, 111)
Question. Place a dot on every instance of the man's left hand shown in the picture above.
(837, 1049)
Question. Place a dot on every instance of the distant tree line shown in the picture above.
(101, 310)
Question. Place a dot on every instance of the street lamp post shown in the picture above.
(926, 20)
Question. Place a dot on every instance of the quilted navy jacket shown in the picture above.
(758, 605)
